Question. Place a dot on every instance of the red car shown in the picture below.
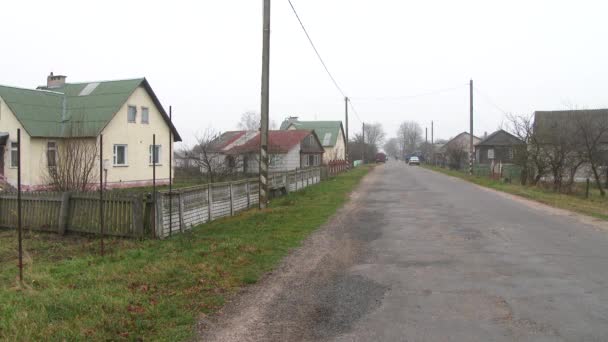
(380, 158)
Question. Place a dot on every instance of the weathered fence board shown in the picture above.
(207, 203)
(128, 215)
(65, 212)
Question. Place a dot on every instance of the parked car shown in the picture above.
(414, 160)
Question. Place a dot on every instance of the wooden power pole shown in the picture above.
(263, 191)
(363, 144)
(346, 128)
(471, 147)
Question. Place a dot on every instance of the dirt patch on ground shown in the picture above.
(290, 300)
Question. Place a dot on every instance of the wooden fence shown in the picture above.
(183, 209)
(74, 212)
(132, 215)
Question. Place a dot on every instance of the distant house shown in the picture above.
(499, 146)
(51, 117)
(238, 151)
(330, 133)
(456, 152)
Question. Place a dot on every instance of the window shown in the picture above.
(51, 153)
(276, 160)
(120, 155)
(510, 153)
(154, 157)
(145, 115)
(491, 153)
(14, 154)
(132, 114)
(311, 160)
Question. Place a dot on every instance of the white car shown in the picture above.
(414, 160)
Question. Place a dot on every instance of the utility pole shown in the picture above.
(471, 154)
(432, 133)
(263, 192)
(426, 135)
(432, 143)
(363, 144)
(346, 147)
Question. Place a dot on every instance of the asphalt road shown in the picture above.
(419, 256)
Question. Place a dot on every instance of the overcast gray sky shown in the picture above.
(204, 57)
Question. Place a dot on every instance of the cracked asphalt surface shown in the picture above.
(420, 256)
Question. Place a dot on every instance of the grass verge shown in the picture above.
(152, 290)
(595, 205)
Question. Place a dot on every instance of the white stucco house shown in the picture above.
(53, 116)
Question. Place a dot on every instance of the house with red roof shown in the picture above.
(289, 150)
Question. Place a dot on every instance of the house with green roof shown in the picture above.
(330, 133)
(58, 116)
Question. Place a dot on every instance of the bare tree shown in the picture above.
(456, 154)
(409, 135)
(391, 147)
(72, 164)
(250, 121)
(524, 155)
(560, 147)
(210, 163)
(374, 134)
(593, 132)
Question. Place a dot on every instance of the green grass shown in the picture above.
(152, 290)
(595, 205)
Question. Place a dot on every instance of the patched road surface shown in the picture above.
(419, 256)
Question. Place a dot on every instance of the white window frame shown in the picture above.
(48, 149)
(115, 155)
(15, 148)
(491, 155)
(129, 113)
(145, 110)
(159, 157)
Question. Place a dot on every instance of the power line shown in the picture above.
(489, 101)
(433, 92)
(315, 48)
(355, 110)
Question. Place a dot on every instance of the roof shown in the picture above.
(75, 109)
(556, 123)
(500, 138)
(237, 142)
(459, 136)
(223, 141)
(327, 131)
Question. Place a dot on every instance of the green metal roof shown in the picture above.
(65, 112)
(327, 131)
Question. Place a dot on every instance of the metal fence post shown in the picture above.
(248, 195)
(180, 199)
(231, 200)
(20, 238)
(101, 215)
(209, 202)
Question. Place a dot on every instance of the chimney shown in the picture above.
(485, 135)
(55, 81)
